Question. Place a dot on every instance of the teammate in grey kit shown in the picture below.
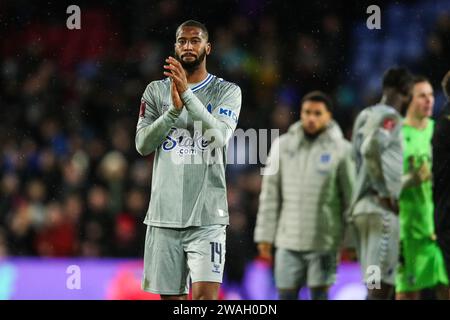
(378, 152)
(187, 120)
(302, 207)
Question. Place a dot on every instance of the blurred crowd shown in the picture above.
(72, 183)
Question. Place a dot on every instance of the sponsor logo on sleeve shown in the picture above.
(228, 113)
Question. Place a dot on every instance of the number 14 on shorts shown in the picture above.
(216, 248)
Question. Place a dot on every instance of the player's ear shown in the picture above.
(208, 48)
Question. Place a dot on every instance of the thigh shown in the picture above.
(290, 269)
(205, 251)
(321, 270)
(379, 241)
(423, 266)
(165, 268)
(389, 247)
(362, 226)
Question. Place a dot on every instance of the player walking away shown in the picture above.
(421, 263)
(377, 148)
(302, 206)
(184, 117)
(441, 176)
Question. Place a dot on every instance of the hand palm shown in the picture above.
(176, 99)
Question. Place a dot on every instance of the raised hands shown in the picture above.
(175, 71)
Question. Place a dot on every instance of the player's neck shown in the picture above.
(393, 101)
(418, 123)
(197, 75)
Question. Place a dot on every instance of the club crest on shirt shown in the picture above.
(165, 107)
(325, 158)
(324, 163)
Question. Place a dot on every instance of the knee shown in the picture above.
(204, 295)
(205, 291)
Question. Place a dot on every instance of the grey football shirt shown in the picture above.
(378, 153)
(188, 180)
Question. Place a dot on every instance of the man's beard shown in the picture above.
(313, 136)
(191, 66)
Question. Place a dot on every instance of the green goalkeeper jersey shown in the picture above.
(416, 199)
(188, 180)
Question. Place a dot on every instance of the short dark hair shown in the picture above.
(446, 85)
(319, 96)
(399, 79)
(193, 23)
(420, 78)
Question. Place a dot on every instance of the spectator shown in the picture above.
(97, 224)
(304, 200)
(58, 236)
